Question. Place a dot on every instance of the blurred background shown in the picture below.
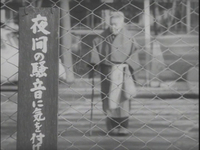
(168, 34)
(173, 26)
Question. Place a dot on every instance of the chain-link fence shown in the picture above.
(163, 115)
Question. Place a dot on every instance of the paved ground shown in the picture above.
(156, 123)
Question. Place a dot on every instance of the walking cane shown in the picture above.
(92, 99)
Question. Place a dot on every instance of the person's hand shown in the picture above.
(70, 79)
(91, 74)
(92, 68)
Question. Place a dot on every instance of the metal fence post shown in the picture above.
(66, 40)
(188, 15)
(147, 36)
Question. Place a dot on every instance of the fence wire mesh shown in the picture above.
(163, 115)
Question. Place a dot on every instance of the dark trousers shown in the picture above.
(117, 122)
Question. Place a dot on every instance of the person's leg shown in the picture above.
(123, 122)
(117, 126)
(105, 87)
(119, 122)
(112, 126)
(120, 117)
(123, 126)
(116, 118)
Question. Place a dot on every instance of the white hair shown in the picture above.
(117, 14)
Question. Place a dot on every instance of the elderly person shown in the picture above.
(114, 51)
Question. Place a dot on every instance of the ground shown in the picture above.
(155, 123)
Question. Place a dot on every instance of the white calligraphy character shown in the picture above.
(38, 115)
(38, 94)
(38, 69)
(38, 104)
(40, 23)
(38, 86)
(37, 126)
(40, 43)
(33, 138)
(39, 139)
(39, 57)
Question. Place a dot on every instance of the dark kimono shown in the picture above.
(107, 51)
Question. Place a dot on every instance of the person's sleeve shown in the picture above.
(133, 60)
(94, 59)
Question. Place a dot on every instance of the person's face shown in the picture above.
(116, 25)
